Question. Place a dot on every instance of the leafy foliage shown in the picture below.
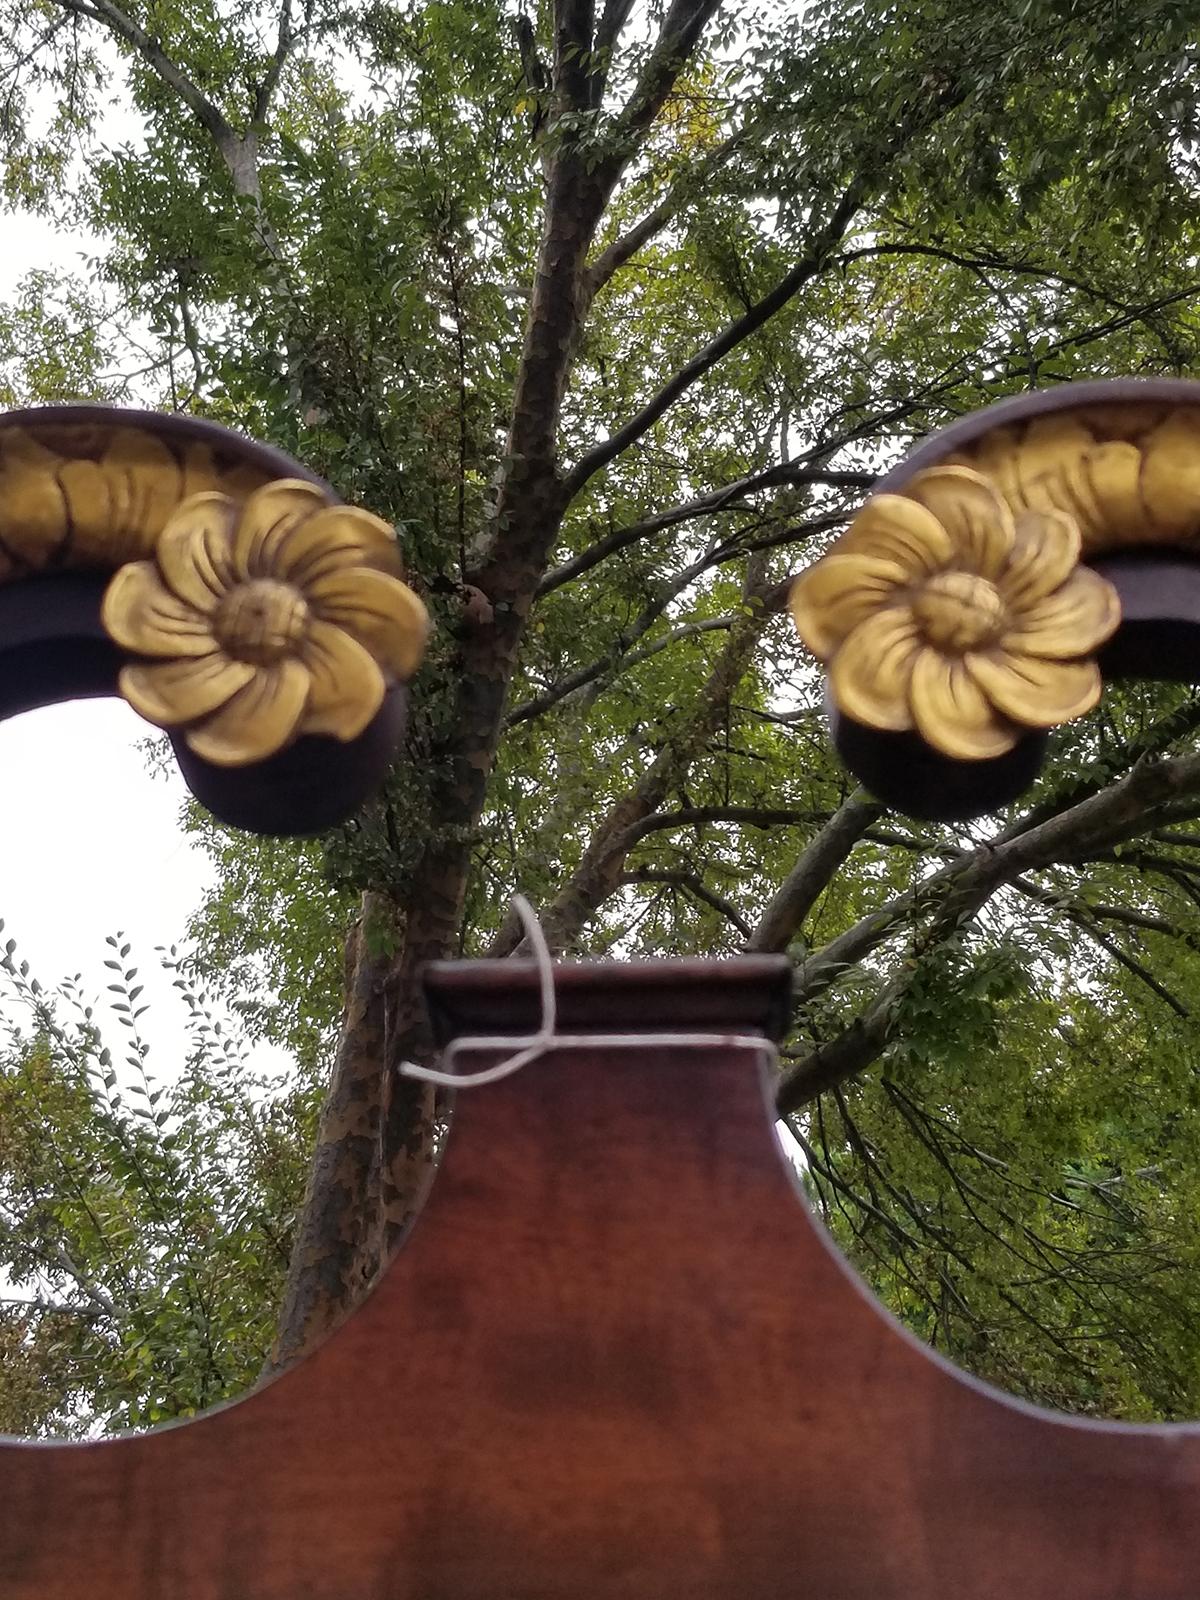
(144, 1221)
(618, 345)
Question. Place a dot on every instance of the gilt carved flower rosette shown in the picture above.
(222, 590)
(265, 621)
(979, 598)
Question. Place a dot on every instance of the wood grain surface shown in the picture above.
(616, 1358)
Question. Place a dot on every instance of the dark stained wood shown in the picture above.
(502, 997)
(616, 1358)
(1159, 636)
(307, 788)
(911, 776)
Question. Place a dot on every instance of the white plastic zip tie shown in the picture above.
(523, 1051)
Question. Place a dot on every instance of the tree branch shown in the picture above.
(1085, 917)
(681, 31)
(622, 250)
(551, 697)
(283, 45)
(816, 865)
(124, 27)
(783, 473)
(602, 864)
(573, 23)
(608, 31)
(987, 263)
(805, 270)
(1122, 811)
(694, 885)
(238, 152)
(702, 816)
(49, 1307)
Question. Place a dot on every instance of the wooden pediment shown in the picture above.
(617, 1357)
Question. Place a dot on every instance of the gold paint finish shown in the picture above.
(1129, 475)
(265, 621)
(83, 495)
(958, 611)
(261, 620)
(939, 610)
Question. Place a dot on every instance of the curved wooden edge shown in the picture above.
(910, 776)
(616, 1359)
(503, 997)
(309, 787)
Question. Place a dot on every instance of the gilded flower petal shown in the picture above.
(892, 527)
(952, 713)
(1171, 475)
(837, 593)
(335, 538)
(194, 550)
(140, 613)
(259, 720)
(1035, 692)
(972, 512)
(268, 520)
(1070, 622)
(171, 693)
(1045, 554)
(347, 687)
(869, 675)
(381, 612)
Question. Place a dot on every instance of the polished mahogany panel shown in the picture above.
(616, 1358)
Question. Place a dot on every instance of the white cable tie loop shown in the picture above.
(523, 1051)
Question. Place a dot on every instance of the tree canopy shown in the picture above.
(617, 313)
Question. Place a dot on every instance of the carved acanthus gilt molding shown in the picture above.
(1129, 474)
(80, 495)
